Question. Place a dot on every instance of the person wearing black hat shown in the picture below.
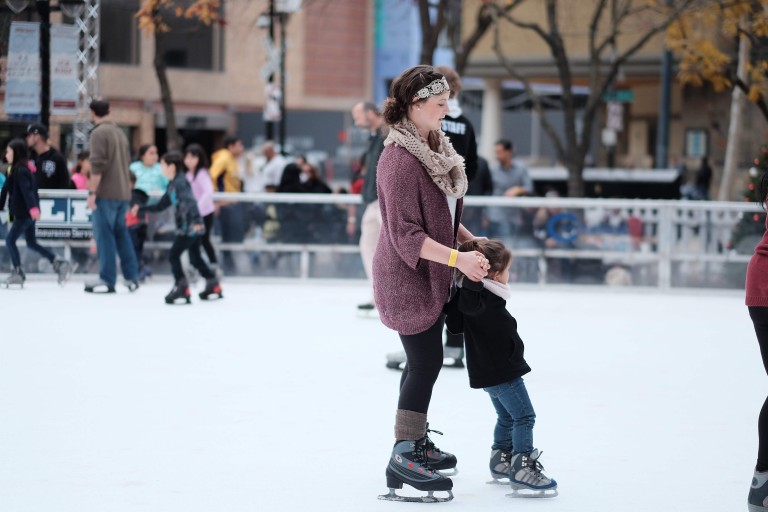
(51, 165)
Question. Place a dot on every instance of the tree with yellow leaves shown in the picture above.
(152, 15)
(721, 44)
(706, 42)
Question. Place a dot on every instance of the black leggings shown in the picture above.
(759, 316)
(424, 353)
(192, 244)
(207, 245)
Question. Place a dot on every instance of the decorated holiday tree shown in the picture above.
(750, 228)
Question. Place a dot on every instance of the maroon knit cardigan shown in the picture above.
(757, 274)
(410, 292)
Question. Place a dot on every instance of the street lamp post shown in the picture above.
(44, 8)
(280, 11)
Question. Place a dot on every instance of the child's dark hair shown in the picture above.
(499, 257)
(20, 152)
(143, 149)
(198, 151)
(175, 159)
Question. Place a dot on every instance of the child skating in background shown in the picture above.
(137, 227)
(20, 188)
(189, 229)
(495, 363)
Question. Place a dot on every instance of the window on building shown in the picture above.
(119, 32)
(190, 44)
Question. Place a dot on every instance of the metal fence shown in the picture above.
(662, 244)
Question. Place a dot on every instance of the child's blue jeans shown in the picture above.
(515, 417)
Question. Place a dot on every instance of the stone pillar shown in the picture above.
(491, 123)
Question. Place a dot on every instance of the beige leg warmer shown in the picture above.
(410, 425)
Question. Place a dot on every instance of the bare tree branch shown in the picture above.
(535, 99)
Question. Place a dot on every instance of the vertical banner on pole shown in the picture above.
(64, 46)
(22, 86)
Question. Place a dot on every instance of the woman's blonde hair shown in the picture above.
(499, 257)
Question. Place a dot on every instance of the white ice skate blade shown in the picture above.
(429, 498)
(532, 493)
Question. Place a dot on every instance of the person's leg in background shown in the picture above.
(370, 227)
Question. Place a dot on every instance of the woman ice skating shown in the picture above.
(495, 363)
(189, 230)
(757, 304)
(421, 182)
(20, 188)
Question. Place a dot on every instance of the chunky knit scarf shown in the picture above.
(444, 166)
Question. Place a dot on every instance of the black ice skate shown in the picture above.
(16, 277)
(99, 286)
(757, 500)
(180, 290)
(526, 477)
(438, 459)
(64, 270)
(367, 310)
(212, 287)
(408, 465)
(500, 467)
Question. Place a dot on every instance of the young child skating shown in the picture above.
(495, 363)
(189, 229)
(20, 189)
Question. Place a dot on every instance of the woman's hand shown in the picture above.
(473, 265)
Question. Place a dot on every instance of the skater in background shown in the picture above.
(189, 229)
(496, 364)
(20, 189)
(82, 170)
(109, 194)
(196, 164)
(366, 116)
(137, 227)
(421, 182)
(757, 304)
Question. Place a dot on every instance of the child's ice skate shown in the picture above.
(16, 277)
(64, 270)
(408, 465)
(212, 287)
(180, 290)
(526, 477)
(500, 466)
(757, 501)
(438, 459)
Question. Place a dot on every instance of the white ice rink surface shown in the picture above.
(276, 398)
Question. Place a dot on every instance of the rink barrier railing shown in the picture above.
(675, 231)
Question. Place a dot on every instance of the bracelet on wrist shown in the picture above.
(452, 259)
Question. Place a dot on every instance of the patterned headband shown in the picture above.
(437, 87)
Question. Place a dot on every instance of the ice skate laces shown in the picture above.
(533, 465)
(420, 453)
(429, 445)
